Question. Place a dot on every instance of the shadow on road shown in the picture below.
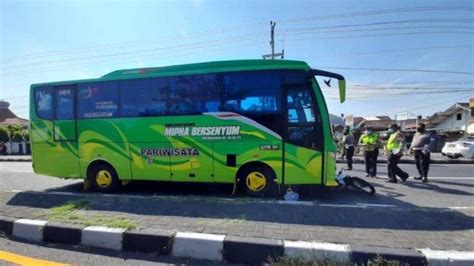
(214, 201)
(433, 187)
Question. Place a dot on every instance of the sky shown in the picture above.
(400, 58)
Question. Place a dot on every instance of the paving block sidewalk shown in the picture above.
(434, 228)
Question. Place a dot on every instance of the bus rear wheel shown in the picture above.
(258, 181)
(104, 178)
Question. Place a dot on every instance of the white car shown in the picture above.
(459, 148)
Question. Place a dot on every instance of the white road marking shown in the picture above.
(21, 171)
(448, 257)
(461, 208)
(376, 205)
(438, 177)
(317, 250)
(291, 202)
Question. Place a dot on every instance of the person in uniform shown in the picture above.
(369, 142)
(421, 149)
(348, 142)
(394, 149)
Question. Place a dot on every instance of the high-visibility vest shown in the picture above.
(393, 142)
(369, 139)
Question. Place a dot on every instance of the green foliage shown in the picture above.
(15, 133)
(17, 136)
(26, 135)
(75, 212)
(14, 128)
(4, 136)
(300, 261)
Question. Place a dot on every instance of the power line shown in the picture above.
(134, 43)
(90, 65)
(319, 31)
(463, 20)
(396, 50)
(178, 47)
(11, 98)
(403, 70)
(380, 12)
(371, 94)
(235, 28)
(379, 35)
(431, 105)
(371, 87)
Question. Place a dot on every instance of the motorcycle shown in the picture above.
(345, 180)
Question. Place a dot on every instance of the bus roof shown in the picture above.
(196, 68)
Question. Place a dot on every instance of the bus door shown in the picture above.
(303, 158)
(65, 132)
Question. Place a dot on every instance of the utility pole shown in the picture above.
(272, 44)
(272, 38)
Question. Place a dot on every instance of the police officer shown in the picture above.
(394, 149)
(420, 148)
(348, 141)
(369, 142)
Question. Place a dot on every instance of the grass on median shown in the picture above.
(73, 212)
(300, 261)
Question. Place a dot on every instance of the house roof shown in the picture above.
(377, 122)
(15, 121)
(7, 117)
(438, 117)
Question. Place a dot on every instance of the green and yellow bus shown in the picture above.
(258, 124)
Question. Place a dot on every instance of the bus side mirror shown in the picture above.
(342, 81)
(342, 90)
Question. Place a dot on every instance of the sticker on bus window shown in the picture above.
(44, 101)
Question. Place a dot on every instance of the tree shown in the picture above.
(26, 135)
(17, 136)
(4, 136)
(12, 129)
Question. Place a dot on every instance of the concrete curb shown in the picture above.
(251, 250)
(219, 247)
(3, 159)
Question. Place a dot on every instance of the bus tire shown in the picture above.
(258, 181)
(104, 178)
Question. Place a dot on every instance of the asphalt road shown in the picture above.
(77, 255)
(450, 186)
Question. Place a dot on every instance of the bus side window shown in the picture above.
(303, 123)
(194, 94)
(98, 100)
(44, 102)
(65, 103)
(254, 92)
(300, 107)
(143, 97)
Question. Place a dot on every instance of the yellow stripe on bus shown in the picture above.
(23, 260)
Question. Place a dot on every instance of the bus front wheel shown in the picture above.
(104, 178)
(257, 181)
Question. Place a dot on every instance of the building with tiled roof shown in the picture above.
(7, 117)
